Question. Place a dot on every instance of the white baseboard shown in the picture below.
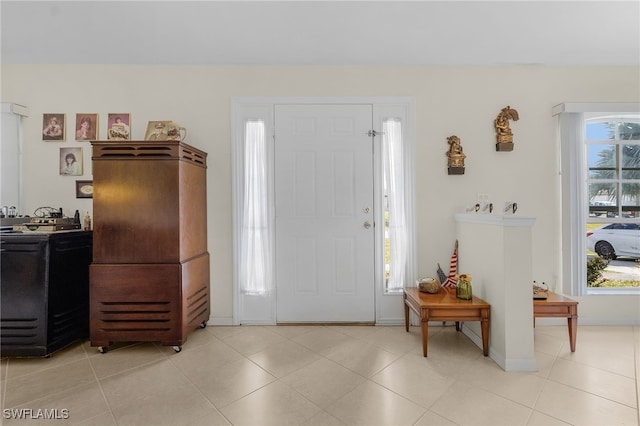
(586, 320)
(220, 321)
(415, 322)
(390, 321)
(507, 364)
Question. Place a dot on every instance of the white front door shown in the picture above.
(324, 213)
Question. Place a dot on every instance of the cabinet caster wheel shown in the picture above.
(203, 324)
(177, 348)
(103, 349)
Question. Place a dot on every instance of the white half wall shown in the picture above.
(496, 250)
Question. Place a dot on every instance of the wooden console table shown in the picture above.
(558, 306)
(445, 306)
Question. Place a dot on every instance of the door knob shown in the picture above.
(367, 225)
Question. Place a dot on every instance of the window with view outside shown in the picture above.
(395, 224)
(613, 218)
(255, 274)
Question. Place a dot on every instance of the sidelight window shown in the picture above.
(255, 240)
(394, 205)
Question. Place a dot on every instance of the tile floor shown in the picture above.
(318, 375)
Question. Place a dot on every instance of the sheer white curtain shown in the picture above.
(393, 172)
(256, 252)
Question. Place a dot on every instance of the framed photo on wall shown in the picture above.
(71, 161)
(84, 189)
(119, 126)
(86, 127)
(53, 127)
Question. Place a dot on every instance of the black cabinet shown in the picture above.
(44, 291)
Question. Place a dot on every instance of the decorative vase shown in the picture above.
(464, 290)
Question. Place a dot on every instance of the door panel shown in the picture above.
(324, 196)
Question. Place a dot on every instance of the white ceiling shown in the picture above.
(321, 32)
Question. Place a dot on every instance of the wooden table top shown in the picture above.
(554, 298)
(443, 298)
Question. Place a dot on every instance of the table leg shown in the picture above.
(484, 324)
(572, 323)
(406, 316)
(424, 325)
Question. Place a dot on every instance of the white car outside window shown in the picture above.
(614, 240)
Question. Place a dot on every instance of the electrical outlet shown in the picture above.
(483, 197)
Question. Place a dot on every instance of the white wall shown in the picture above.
(460, 100)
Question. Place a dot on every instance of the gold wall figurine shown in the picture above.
(503, 131)
(456, 156)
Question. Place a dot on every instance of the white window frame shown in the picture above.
(575, 201)
(261, 309)
(11, 179)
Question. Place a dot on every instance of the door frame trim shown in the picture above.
(252, 309)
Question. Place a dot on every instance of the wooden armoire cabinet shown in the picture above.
(149, 279)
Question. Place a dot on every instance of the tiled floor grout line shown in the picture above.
(61, 391)
(195, 386)
(556, 358)
(324, 356)
(104, 396)
(279, 380)
(546, 381)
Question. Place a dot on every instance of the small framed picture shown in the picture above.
(86, 127)
(157, 131)
(119, 126)
(84, 189)
(71, 161)
(53, 127)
